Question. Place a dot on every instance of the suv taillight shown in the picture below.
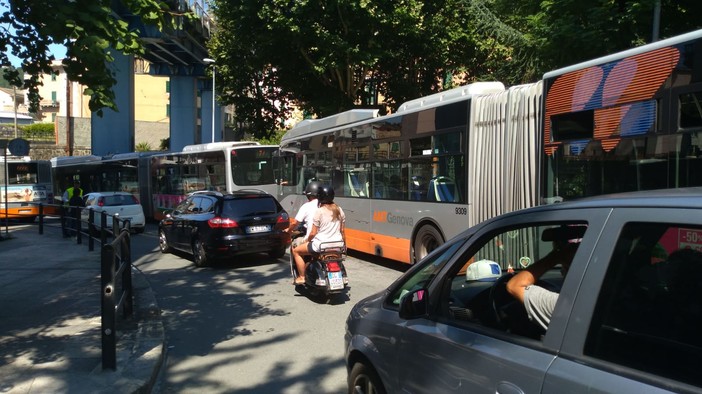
(219, 222)
(101, 202)
(283, 221)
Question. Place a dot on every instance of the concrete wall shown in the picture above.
(148, 132)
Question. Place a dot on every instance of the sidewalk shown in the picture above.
(50, 338)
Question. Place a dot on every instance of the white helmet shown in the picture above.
(483, 269)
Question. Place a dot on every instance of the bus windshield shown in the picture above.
(20, 173)
(253, 166)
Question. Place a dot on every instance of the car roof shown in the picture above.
(108, 194)
(235, 194)
(662, 198)
(690, 198)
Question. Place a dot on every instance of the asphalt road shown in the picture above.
(240, 326)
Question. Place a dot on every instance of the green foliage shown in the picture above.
(87, 28)
(272, 139)
(325, 56)
(142, 147)
(38, 131)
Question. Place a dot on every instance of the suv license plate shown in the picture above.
(336, 281)
(258, 229)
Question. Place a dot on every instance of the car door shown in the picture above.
(177, 222)
(467, 343)
(636, 318)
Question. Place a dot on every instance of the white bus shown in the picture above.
(409, 181)
(161, 180)
(220, 166)
(24, 183)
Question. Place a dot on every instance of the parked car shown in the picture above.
(123, 204)
(211, 224)
(627, 318)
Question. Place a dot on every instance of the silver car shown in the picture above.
(123, 204)
(628, 316)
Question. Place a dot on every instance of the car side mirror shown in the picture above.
(413, 305)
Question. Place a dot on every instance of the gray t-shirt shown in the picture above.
(539, 304)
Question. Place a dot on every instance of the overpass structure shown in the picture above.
(177, 52)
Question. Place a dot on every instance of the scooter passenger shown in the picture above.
(327, 226)
(305, 213)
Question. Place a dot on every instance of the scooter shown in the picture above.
(325, 274)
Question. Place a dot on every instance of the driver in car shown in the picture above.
(538, 301)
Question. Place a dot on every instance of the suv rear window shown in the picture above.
(249, 206)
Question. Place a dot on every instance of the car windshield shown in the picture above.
(248, 206)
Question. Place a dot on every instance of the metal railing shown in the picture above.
(117, 293)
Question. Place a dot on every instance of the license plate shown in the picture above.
(257, 229)
(336, 281)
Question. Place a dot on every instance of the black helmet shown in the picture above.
(312, 188)
(325, 195)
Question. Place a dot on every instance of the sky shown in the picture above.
(59, 51)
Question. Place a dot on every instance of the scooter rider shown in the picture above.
(306, 211)
(327, 226)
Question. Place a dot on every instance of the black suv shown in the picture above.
(212, 224)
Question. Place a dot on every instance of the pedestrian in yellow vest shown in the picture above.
(73, 197)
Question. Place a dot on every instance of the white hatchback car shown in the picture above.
(115, 203)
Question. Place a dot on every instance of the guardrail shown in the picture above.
(116, 266)
(117, 293)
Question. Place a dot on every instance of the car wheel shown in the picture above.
(427, 239)
(364, 380)
(163, 242)
(199, 254)
(278, 253)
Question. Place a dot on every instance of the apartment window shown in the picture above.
(168, 110)
(53, 76)
(53, 96)
(168, 86)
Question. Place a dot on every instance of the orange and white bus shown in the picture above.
(409, 181)
(625, 122)
(24, 184)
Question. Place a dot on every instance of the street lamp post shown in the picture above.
(214, 72)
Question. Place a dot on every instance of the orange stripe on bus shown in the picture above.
(390, 247)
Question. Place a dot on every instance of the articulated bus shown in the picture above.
(24, 183)
(220, 166)
(161, 180)
(408, 181)
(625, 122)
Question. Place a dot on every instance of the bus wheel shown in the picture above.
(427, 239)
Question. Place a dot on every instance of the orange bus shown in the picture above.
(25, 183)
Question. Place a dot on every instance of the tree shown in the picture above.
(323, 54)
(566, 32)
(89, 31)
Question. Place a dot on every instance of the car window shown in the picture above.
(649, 313)
(475, 290)
(183, 206)
(249, 206)
(430, 267)
(206, 205)
(194, 205)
